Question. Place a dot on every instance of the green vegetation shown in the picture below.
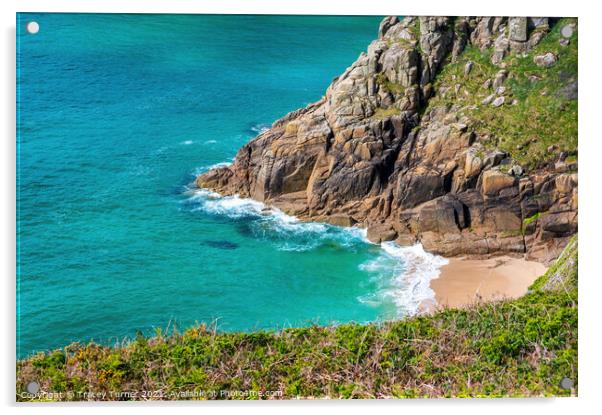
(531, 219)
(542, 116)
(384, 113)
(389, 86)
(415, 30)
(562, 275)
(404, 43)
(523, 347)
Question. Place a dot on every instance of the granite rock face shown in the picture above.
(367, 155)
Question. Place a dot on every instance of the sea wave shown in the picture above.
(231, 206)
(401, 275)
(286, 232)
(259, 128)
(203, 169)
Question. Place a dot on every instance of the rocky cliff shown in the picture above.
(458, 132)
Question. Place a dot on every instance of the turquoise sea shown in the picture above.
(116, 114)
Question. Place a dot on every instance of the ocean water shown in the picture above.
(116, 114)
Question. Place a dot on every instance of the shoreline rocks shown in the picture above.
(368, 154)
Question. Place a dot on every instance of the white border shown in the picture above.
(349, 7)
(590, 152)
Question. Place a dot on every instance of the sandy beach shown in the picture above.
(465, 281)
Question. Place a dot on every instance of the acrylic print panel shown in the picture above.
(333, 206)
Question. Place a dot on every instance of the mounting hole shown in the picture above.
(33, 387)
(566, 383)
(33, 27)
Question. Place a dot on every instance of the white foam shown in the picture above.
(231, 206)
(186, 143)
(260, 128)
(403, 275)
(203, 169)
(286, 231)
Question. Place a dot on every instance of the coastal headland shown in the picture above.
(458, 133)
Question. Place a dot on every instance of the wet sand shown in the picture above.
(466, 281)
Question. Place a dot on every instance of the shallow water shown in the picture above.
(116, 115)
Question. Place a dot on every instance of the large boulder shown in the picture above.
(546, 60)
(381, 232)
(559, 223)
(421, 184)
(443, 215)
(518, 28)
(502, 220)
(386, 24)
(494, 181)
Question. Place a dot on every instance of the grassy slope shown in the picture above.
(521, 347)
(540, 118)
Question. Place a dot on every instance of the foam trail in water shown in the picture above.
(402, 274)
(286, 232)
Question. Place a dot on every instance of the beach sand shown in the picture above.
(466, 281)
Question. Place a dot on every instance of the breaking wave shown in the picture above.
(259, 128)
(288, 233)
(401, 275)
(204, 169)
